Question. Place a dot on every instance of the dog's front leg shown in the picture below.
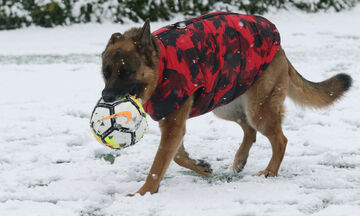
(172, 132)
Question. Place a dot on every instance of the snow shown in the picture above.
(51, 165)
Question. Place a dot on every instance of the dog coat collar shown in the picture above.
(215, 57)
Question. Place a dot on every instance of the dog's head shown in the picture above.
(130, 64)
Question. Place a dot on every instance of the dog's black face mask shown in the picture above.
(119, 72)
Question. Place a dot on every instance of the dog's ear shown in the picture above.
(145, 34)
(115, 37)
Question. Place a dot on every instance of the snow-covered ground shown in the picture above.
(50, 165)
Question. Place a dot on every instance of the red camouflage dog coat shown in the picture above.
(216, 57)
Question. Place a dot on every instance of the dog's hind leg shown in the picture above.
(199, 166)
(235, 111)
(271, 128)
(243, 152)
(265, 108)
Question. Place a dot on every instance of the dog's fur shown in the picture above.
(133, 57)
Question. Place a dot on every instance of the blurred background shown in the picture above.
(48, 13)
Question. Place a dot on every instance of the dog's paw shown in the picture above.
(130, 194)
(145, 189)
(203, 168)
(267, 173)
(239, 166)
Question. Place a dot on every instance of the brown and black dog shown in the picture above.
(131, 64)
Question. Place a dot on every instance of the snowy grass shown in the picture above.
(51, 165)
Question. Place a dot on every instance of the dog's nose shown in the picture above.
(108, 95)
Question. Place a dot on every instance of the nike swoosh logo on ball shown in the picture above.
(126, 114)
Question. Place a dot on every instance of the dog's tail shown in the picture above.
(318, 94)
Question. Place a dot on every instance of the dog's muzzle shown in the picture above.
(111, 94)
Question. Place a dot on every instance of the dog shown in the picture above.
(227, 63)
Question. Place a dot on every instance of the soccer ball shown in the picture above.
(118, 124)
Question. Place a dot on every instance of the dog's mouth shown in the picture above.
(112, 94)
(135, 91)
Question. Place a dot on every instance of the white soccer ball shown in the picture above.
(118, 124)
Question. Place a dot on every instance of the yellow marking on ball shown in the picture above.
(138, 103)
(111, 142)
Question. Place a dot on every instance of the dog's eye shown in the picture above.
(124, 73)
(107, 72)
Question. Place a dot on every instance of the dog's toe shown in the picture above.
(204, 168)
(266, 173)
(202, 163)
(238, 167)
